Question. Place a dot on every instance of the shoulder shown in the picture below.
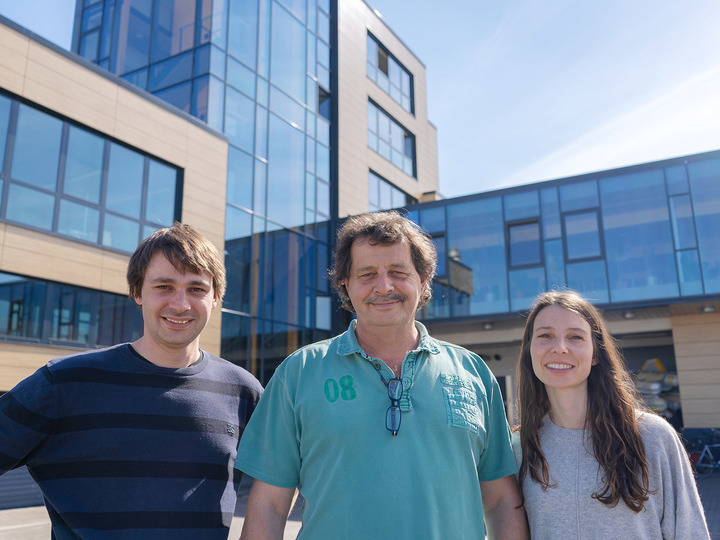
(224, 370)
(96, 358)
(657, 433)
(470, 360)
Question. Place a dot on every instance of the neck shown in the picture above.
(387, 343)
(568, 409)
(181, 357)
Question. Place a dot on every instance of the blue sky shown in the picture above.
(522, 91)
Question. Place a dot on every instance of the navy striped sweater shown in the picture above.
(122, 448)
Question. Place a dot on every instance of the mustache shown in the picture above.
(389, 298)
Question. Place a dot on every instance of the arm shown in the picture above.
(504, 517)
(267, 511)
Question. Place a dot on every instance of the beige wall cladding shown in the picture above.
(61, 81)
(697, 342)
(355, 19)
(21, 361)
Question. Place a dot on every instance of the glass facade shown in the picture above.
(384, 196)
(261, 72)
(643, 234)
(50, 313)
(86, 187)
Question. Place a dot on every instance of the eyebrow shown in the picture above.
(164, 279)
(553, 328)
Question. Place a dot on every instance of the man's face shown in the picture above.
(383, 285)
(176, 306)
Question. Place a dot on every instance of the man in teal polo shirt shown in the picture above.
(386, 432)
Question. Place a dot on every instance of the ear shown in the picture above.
(138, 300)
(594, 361)
(214, 302)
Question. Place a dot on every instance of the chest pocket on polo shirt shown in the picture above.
(460, 403)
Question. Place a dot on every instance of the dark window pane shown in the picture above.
(21, 306)
(524, 244)
(79, 221)
(162, 183)
(83, 171)
(92, 16)
(38, 134)
(31, 207)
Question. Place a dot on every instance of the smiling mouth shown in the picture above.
(175, 321)
(559, 366)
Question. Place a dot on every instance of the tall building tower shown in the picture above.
(325, 112)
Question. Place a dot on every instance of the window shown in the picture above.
(382, 195)
(524, 243)
(583, 235)
(74, 183)
(391, 140)
(389, 74)
(47, 312)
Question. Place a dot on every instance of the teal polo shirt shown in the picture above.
(320, 426)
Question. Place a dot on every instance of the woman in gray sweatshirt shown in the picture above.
(593, 462)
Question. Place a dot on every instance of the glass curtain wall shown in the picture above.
(640, 234)
(260, 71)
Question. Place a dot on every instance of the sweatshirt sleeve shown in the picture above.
(683, 515)
(26, 418)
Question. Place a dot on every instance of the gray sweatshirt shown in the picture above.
(568, 511)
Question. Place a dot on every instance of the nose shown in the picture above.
(560, 346)
(383, 283)
(179, 301)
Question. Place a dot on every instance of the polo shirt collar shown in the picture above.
(348, 343)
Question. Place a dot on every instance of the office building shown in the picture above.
(264, 123)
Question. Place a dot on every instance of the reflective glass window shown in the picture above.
(525, 285)
(4, 126)
(286, 173)
(240, 120)
(323, 26)
(689, 273)
(260, 187)
(391, 140)
(171, 71)
(173, 28)
(38, 134)
(138, 78)
(241, 77)
(240, 178)
(238, 254)
(30, 207)
(480, 246)
(287, 108)
(677, 180)
(323, 312)
(179, 96)
(287, 61)
(550, 213)
(524, 245)
(590, 279)
(79, 221)
(160, 198)
(132, 28)
(323, 198)
(522, 205)
(209, 101)
(583, 235)
(705, 188)
(120, 233)
(433, 219)
(322, 165)
(106, 36)
(84, 163)
(683, 224)
(261, 131)
(310, 197)
(89, 45)
(21, 306)
(555, 264)
(124, 183)
(578, 196)
(443, 256)
(638, 237)
(389, 74)
(92, 17)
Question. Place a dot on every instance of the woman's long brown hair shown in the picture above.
(611, 411)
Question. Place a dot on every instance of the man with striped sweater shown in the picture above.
(139, 440)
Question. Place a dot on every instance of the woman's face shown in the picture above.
(561, 349)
